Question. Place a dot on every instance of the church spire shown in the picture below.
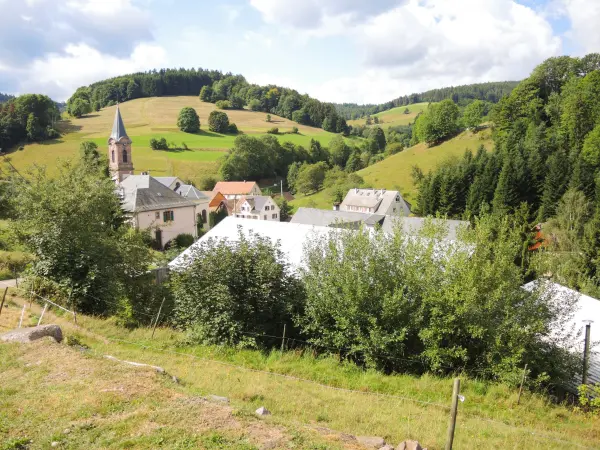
(118, 129)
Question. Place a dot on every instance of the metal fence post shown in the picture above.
(283, 339)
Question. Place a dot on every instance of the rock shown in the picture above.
(409, 445)
(54, 444)
(66, 431)
(262, 411)
(216, 398)
(33, 334)
(371, 441)
(387, 447)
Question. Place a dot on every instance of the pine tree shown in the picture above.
(555, 184)
(506, 195)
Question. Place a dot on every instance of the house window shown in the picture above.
(267, 208)
(274, 216)
(204, 216)
(113, 156)
(265, 216)
(168, 216)
(157, 215)
(397, 198)
(124, 155)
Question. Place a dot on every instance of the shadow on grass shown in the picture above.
(66, 126)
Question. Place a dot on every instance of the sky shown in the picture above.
(335, 50)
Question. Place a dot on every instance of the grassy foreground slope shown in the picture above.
(395, 116)
(394, 173)
(47, 388)
(156, 117)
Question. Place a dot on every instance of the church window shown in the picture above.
(113, 156)
(124, 155)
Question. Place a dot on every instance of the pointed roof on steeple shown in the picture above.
(118, 129)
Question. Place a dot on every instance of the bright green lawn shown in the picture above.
(395, 116)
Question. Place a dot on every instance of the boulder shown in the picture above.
(262, 411)
(387, 447)
(33, 334)
(371, 441)
(409, 445)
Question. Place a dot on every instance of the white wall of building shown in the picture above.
(184, 221)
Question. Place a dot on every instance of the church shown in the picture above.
(167, 211)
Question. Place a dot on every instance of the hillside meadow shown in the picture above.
(156, 117)
(394, 172)
(395, 116)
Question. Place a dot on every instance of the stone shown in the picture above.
(54, 444)
(409, 445)
(371, 441)
(136, 364)
(387, 447)
(66, 431)
(32, 334)
(216, 398)
(262, 411)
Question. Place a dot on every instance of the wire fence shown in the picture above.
(424, 403)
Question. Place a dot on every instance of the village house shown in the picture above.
(149, 203)
(259, 207)
(233, 190)
(375, 201)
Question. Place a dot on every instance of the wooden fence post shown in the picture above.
(157, 317)
(42, 315)
(22, 314)
(453, 412)
(3, 298)
(283, 339)
(72, 304)
(522, 382)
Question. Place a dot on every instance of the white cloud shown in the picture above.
(585, 20)
(60, 74)
(423, 44)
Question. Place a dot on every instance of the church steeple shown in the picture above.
(119, 150)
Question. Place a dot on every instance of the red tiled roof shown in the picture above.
(234, 187)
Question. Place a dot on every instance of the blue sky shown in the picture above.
(335, 50)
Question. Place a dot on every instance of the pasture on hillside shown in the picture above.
(394, 172)
(156, 117)
(395, 116)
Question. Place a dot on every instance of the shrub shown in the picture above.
(188, 120)
(393, 148)
(160, 144)
(184, 240)
(273, 130)
(268, 118)
(223, 104)
(231, 290)
(207, 183)
(232, 128)
(218, 122)
(294, 130)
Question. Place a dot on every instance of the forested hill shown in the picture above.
(233, 91)
(491, 92)
(5, 97)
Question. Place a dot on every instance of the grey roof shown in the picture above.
(380, 199)
(256, 201)
(328, 217)
(167, 181)
(145, 193)
(118, 129)
(410, 225)
(190, 192)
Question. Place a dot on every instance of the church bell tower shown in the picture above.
(120, 161)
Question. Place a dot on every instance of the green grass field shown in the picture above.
(394, 173)
(48, 388)
(156, 117)
(395, 116)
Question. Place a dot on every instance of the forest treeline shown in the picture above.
(28, 117)
(212, 86)
(546, 164)
(5, 97)
(462, 95)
